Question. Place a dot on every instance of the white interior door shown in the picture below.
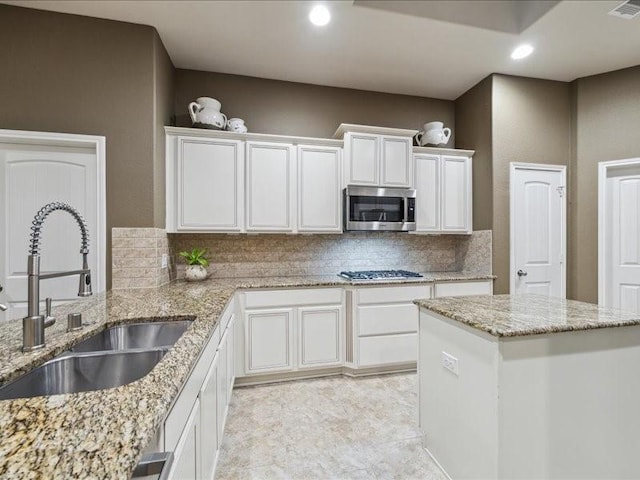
(622, 237)
(32, 176)
(538, 229)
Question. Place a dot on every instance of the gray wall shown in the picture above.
(74, 74)
(531, 123)
(510, 119)
(473, 112)
(164, 90)
(607, 127)
(277, 107)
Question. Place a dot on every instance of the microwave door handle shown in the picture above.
(406, 209)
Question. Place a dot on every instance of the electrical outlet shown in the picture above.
(450, 363)
(165, 260)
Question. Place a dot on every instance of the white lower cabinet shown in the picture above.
(194, 427)
(231, 364)
(209, 422)
(269, 340)
(319, 336)
(386, 324)
(290, 330)
(185, 456)
(457, 289)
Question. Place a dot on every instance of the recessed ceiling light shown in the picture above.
(319, 15)
(521, 51)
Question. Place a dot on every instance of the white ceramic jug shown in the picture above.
(205, 112)
(236, 125)
(433, 134)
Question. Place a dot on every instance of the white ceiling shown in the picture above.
(370, 48)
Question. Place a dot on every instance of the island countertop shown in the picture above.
(101, 434)
(518, 315)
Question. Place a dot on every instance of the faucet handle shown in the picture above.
(48, 319)
(74, 322)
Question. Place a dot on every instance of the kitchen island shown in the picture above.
(529, 387)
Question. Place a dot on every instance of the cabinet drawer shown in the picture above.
(177, 417)
(279, 298)
(456, 289)
(383, 319)
(404, 294)
(388, 349)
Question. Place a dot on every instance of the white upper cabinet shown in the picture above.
(210, 185)
(456, 194)
(443, 192)
(319, 189)
(377, 160)
(427, 192)
(270, 187)
(362, 158)
(395, 161)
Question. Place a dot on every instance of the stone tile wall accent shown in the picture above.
(474, 252)
(137, 258)
(293, 255)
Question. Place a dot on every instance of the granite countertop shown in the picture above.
(518, 315)
(103, 433)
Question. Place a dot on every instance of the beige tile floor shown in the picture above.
(329, 428)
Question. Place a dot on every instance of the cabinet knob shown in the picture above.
(522, 273)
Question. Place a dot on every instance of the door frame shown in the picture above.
(513, 167)
(90, 142)
(603, 168)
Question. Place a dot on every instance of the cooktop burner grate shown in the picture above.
(379, 275)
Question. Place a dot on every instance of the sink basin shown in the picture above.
(135, 336)
(82, 373)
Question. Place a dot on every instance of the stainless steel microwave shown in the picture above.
(379, 209)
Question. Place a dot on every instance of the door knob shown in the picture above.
(522, 273)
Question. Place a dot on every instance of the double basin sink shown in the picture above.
(111, 358)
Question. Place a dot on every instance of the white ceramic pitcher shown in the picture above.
(434, 133)
(205, 112)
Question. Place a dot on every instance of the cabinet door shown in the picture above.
(269, 340)
(210, 180)
(362, 154)
(270, 187)
(456, 194)
(320, 336)
(230, 357)
(222, 389)
(395, 161)
(208, 445)
(319, 189)
(185, 461)
(427, 193)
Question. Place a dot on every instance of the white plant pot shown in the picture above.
(195, 273)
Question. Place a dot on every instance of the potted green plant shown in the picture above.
(196, 264)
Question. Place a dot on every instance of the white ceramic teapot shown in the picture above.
(205, 112)
(433, 134)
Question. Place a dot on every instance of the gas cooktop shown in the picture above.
(379, 275)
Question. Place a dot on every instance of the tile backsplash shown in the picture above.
(137, 258)
(291, 255)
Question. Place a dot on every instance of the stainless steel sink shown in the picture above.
(83, 372)
(135, 336)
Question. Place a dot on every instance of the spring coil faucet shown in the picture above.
(33, 324)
